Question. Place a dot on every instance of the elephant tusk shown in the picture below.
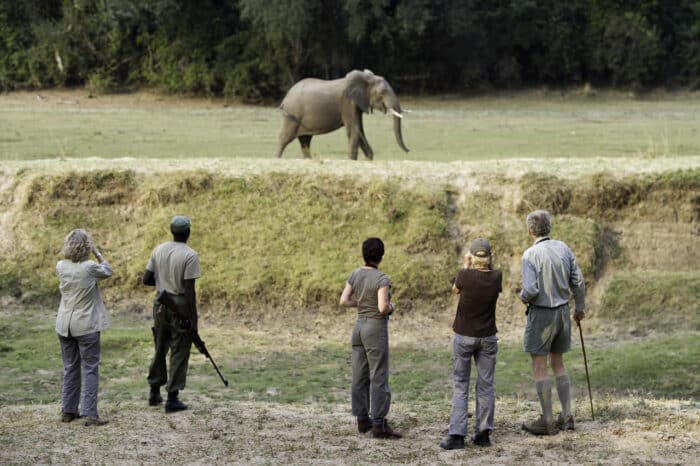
(396, 114)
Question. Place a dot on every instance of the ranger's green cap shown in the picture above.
(180, 224)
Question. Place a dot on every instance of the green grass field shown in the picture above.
(520, 125)
(261, 366)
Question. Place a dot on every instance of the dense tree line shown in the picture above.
(255, 49)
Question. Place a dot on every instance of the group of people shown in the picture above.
(550, 276)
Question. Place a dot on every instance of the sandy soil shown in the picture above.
(643, 432)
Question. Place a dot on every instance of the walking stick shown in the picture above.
(585, 363)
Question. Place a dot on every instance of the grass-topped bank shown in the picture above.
(289, 240)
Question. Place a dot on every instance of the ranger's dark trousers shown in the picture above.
(371, 395)
(168, 335)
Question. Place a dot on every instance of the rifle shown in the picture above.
(169, 300)
(199, 344)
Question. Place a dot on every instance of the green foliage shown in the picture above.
(633, 50)
(255, 50)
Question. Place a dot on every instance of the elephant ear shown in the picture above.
(357, 91)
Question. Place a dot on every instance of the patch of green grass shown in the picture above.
(659, 301)
(444, 129)
(666, 366)
(257, 369)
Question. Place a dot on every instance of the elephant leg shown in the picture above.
(287, 135)
(305, 142)
(364, 145)
(353, 141)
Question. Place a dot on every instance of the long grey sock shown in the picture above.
(564, 391)
(544, 392)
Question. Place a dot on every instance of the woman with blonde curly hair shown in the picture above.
(81, 316)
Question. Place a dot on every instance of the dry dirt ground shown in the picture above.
(648, 432)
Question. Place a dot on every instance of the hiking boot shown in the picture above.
(540, 427)
(363, 424)
(154, 398)
(382, 430)
(68, 417)
(95, 421)
(565, 423)
(174, 405)
(482, 439)
(453, 442)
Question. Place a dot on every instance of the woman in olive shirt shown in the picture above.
(368, 289)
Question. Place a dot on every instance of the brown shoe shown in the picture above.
(95, 421)
(364, 425)
(383, 430)
(541, 427)
(68, 417)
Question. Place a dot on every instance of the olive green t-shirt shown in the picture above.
(365, 282)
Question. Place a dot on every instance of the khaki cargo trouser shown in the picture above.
(371, 395)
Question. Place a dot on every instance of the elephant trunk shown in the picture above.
(397, 131)
(391, 103)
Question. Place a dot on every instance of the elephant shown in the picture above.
(316, 106)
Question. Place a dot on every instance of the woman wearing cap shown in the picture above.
(478, 286)
(81, 316)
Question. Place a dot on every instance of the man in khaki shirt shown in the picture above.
(173, 268)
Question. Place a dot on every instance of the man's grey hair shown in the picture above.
(539, 223)
(78, 245)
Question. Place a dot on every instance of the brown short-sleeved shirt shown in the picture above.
(365, 283)
(478, 293)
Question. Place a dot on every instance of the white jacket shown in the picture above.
(81, 310)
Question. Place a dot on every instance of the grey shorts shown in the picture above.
(548, 330)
